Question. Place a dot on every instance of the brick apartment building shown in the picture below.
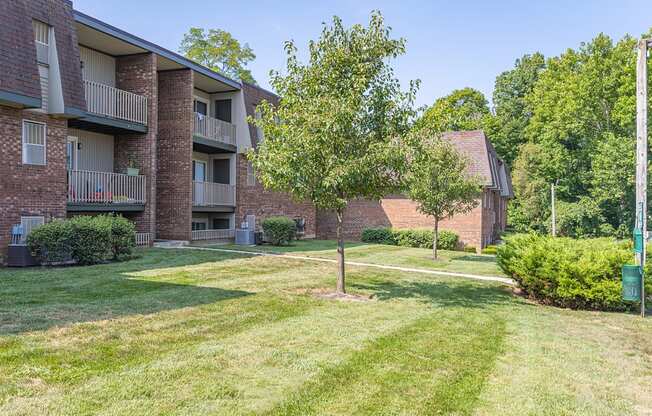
(94, 119)
(478, 228)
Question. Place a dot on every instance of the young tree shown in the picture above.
(438, 181)
(335, 134)
(219, 51)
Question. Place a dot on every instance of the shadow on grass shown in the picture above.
(478, 259)
(41, 298)
(298, 246)
(440, 293)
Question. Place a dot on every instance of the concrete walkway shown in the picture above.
(504, 280)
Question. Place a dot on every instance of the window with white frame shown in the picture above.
(251, 175)
(29, 223)
(42, 41)
(34, 143)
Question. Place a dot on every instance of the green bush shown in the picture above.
(489, 250)
(418, 238)
(470, 249)
(84, 239)
(580, 274)
(582, 219)
(279, 230)
(379, 236)
(51, 242)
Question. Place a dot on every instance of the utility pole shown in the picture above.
(641, 153)
(554, 216)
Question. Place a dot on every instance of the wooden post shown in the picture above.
(641, 152)
(554, 216)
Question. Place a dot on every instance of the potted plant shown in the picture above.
(132, 166)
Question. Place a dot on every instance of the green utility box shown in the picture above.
(638, 240)
(632, 278)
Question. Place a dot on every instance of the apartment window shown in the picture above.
(200, 107)
(34, 143)
(29, 223)
(41, 40)
(198, 226)
(251, 175)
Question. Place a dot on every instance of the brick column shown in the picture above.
(137, 74)
(174, 153)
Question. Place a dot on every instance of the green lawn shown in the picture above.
(204, 332)
(454, 261)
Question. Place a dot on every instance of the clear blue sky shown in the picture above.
(450, 44)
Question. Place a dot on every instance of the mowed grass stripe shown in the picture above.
(436, 365)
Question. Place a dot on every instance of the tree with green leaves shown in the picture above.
(218, 50)
(336, 132)
(438, 180)
(463, 109)
(512, 110)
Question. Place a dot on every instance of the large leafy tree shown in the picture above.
(512, 110)
(438, 180)
(335, 134)
(218, 50)
(463, 109)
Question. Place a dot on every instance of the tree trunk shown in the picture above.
(340, 252)
(435, 237)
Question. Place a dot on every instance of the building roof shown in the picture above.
(485, 162)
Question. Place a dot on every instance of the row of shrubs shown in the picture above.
(83, 240)
(566, 272)
(419, 238)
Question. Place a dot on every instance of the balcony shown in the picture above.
(105, 191)
(212, 132)
(208, 194)
(123, 109)
(212, 234)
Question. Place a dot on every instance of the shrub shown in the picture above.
(279, 230)
(51, 242)
(418, 238)
(582, 219)
(581, 274)
(470, 249)
(379, 236)
(489, 250)
(92, 239)
(84, 239)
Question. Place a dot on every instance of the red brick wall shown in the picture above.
(400, 212)
(30, 189)
(174, 153)
(255, 200)
(137, 74)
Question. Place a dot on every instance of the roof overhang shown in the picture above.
(95, 34)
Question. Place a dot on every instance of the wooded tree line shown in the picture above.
(569, 120)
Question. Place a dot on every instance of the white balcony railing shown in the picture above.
(88, 187)
(214, 129)
(212, 234)
(209, 193)
(111, 102)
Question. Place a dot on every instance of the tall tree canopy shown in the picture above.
(463, 109)
(219, 51)
(512, 110)
(335, 134)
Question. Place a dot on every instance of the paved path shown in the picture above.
(504, 280)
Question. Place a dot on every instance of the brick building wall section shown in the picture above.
(137, 74)
(174, 154)
(401, 213)
(18, 70)
(256, 200)
(30, 190)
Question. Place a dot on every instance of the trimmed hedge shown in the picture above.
(279, 231)
(419, 238)
(83, 239)
(489, 250)
(578, 274)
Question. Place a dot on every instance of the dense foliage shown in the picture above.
(83, 240)
(569, 120)
(218, 50)
(336, 132)
(418, 238)
(583, 274)
(279, 231)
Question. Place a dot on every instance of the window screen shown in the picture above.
(34, 143)
(251, 175)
